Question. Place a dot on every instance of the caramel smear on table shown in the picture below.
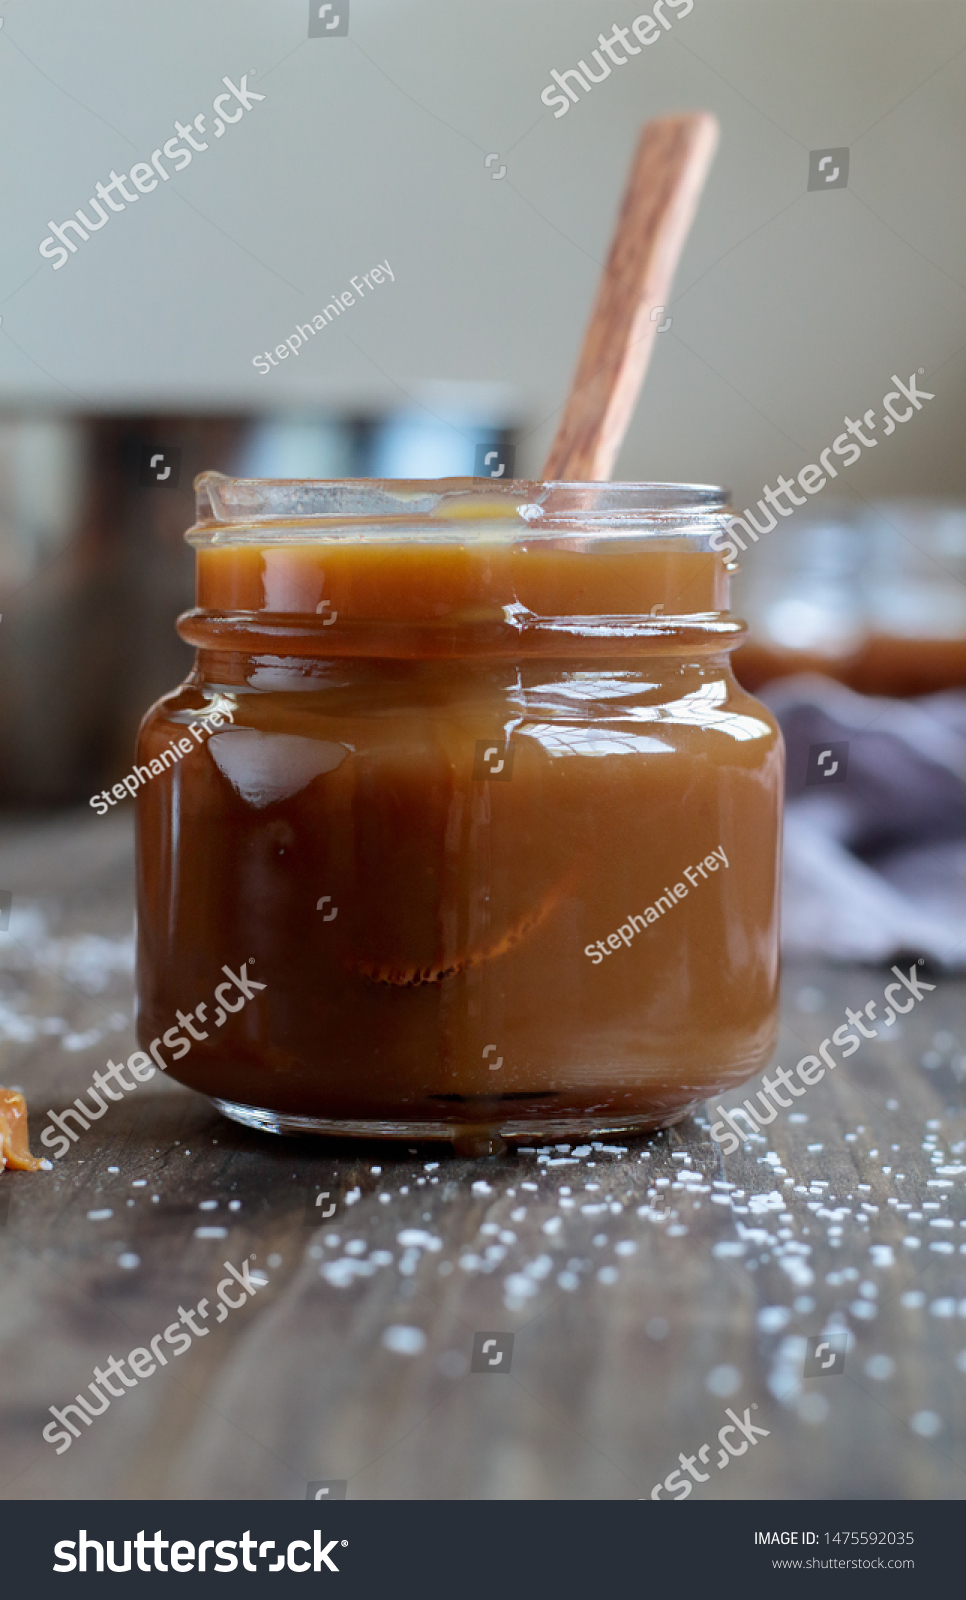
(14, 1148)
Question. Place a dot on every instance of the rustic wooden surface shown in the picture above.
(633, 1332)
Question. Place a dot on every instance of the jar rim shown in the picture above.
(269, 510)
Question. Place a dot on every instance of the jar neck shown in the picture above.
(661, 675)
(429, 581)
(521, 638)
(438, 600)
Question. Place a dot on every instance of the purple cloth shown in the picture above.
(875, 834)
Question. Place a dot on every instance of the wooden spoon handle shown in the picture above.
(666, 178)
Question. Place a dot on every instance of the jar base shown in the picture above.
(471, 1139)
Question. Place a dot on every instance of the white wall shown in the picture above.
(791, 308)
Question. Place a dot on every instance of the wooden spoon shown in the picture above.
(666, 179)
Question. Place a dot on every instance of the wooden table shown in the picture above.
(637, 1321)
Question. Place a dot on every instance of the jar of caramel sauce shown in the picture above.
(879, 664)
(469, 806)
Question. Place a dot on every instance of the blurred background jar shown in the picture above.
(93, 567)
(93, 564)
(874, 597)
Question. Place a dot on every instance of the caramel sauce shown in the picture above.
(442, 983)
(884, 664)
(14, 1140)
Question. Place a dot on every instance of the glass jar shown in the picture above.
(875, 598)
(468, 832)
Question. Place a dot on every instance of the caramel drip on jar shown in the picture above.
(412, 977)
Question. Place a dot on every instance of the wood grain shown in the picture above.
(668, 172)
(628, 1325)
